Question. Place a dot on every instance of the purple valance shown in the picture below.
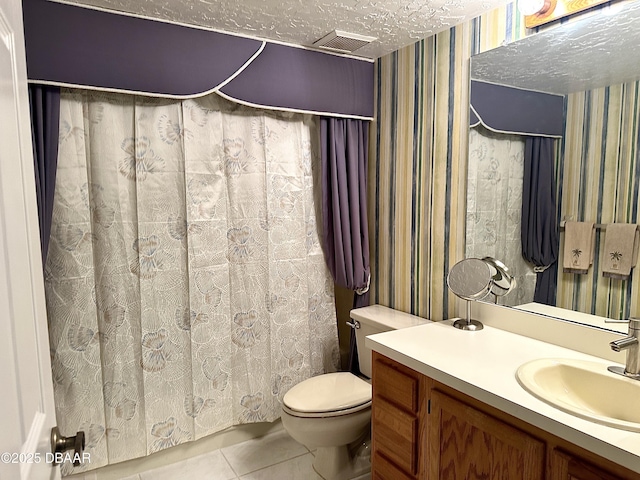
(512, 110)
(305, 80)
(83, 47)
(79, 46)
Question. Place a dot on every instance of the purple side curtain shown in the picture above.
(44, 102)
(539, 232)
(344, 149)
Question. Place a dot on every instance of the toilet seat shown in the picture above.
(328, 395)
(335, 413)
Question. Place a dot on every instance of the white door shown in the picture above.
(26, 389)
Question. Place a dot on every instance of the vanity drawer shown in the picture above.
(396, 435)
(385, 470)
(397, 384)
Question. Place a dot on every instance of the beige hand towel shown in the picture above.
(579, 238)
(620, 250)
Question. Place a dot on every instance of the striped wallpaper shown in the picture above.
(418, 158)
(602, 131)
(417, 171)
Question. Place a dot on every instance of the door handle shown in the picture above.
(61, 444)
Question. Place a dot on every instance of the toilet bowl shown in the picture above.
(328, 413)
(332, 412)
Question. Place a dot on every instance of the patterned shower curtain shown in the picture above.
(186, 285)
(494, 207)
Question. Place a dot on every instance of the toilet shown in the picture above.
(332, 412)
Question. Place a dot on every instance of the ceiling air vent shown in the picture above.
(346, 42)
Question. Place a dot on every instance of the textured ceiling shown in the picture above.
(593, 52)
(396, 23)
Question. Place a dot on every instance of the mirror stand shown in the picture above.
(468, 324)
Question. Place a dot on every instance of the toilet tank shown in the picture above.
(378, 319)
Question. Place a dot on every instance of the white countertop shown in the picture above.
(483, 365)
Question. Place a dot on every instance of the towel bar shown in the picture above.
(598, 226)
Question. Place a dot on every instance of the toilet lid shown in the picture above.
(328, 393)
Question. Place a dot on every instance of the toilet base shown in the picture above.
(344, 462)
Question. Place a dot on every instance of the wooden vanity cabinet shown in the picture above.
(422, 429)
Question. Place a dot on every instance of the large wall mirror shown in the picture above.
(594, 64)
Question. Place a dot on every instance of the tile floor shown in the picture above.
(275, 456)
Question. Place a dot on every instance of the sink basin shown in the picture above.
(585, 389)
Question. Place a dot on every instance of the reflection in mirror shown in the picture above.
(501, 280)
(494, 206)
(594, 62)
(585, 54)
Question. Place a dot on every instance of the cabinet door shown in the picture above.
(568, 467)
(465, 443)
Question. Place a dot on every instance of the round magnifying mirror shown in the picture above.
(470, 279)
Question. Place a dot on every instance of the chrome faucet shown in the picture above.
(631, 344)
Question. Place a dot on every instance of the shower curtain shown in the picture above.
(494, 206)
(186, 285)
